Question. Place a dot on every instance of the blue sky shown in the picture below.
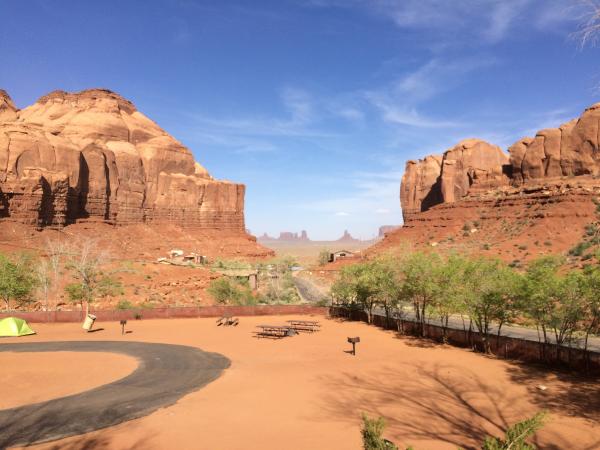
(314, 104)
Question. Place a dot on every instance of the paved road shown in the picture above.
(165, 374)
(308, 291)
(528, 334)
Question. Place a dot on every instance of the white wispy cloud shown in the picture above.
(399, 100)
(490, 21)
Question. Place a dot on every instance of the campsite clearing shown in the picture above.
(306, 392)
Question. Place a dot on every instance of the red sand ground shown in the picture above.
(305, 392)
(37, 377)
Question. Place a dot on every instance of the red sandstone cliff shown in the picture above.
(539, 198)
(471, 164)
(93, 156)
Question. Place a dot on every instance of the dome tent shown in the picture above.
(13, 326)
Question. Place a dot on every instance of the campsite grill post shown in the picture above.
(123, 323)
(353, 341)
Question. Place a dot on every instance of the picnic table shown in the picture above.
(304, 325)
(274, 331)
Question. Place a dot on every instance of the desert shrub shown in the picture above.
(580, 248)
(124, 304)
(323, 302)
(230, 264)
(486, 246)
(324, 257)
(372, 430)
(522, 247)
(548, 243)
(467, 226)
(231, 292)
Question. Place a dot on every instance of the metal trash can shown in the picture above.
(88, 323)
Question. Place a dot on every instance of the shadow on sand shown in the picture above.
(443, 402)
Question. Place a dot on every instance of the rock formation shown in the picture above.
(93, 156)
(471, 164)
(287, 236)
(347, 237)
(539, 198)
(571, 150)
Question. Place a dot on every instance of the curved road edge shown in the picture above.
(165, 374)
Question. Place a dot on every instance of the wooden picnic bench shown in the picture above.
(273, 331)
(304, 325)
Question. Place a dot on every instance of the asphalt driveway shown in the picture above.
(164, 375)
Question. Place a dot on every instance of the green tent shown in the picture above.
(13, 326)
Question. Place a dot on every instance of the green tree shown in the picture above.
(360, 285)
(84, 260)
(17, 280)
(539, 291)
(420, 285)
(568, 309)
(490, 296)
(372, 430)
(449, 298)
(590, 323)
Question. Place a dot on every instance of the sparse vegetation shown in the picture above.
(372, 430)
(124, 304)
(323, 257)
(17, 281)
(227, 291)
(515, 437)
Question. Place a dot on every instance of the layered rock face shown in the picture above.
(572, 150)
(93, 156)
(471, 164)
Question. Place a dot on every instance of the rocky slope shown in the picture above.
(539, 198)
(92, 155)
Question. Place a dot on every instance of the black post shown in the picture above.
(123, 323)
(353, 341)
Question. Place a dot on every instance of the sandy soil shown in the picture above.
(306, 392)
(36, 377)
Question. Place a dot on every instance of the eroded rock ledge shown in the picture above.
(93, 156)
(474, 167)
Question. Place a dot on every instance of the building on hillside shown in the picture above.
(249, 275)
(340, 254)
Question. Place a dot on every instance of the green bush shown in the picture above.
(124, 304)
(231, 292)
(580, 248)
(371, 435)
(516, 435)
